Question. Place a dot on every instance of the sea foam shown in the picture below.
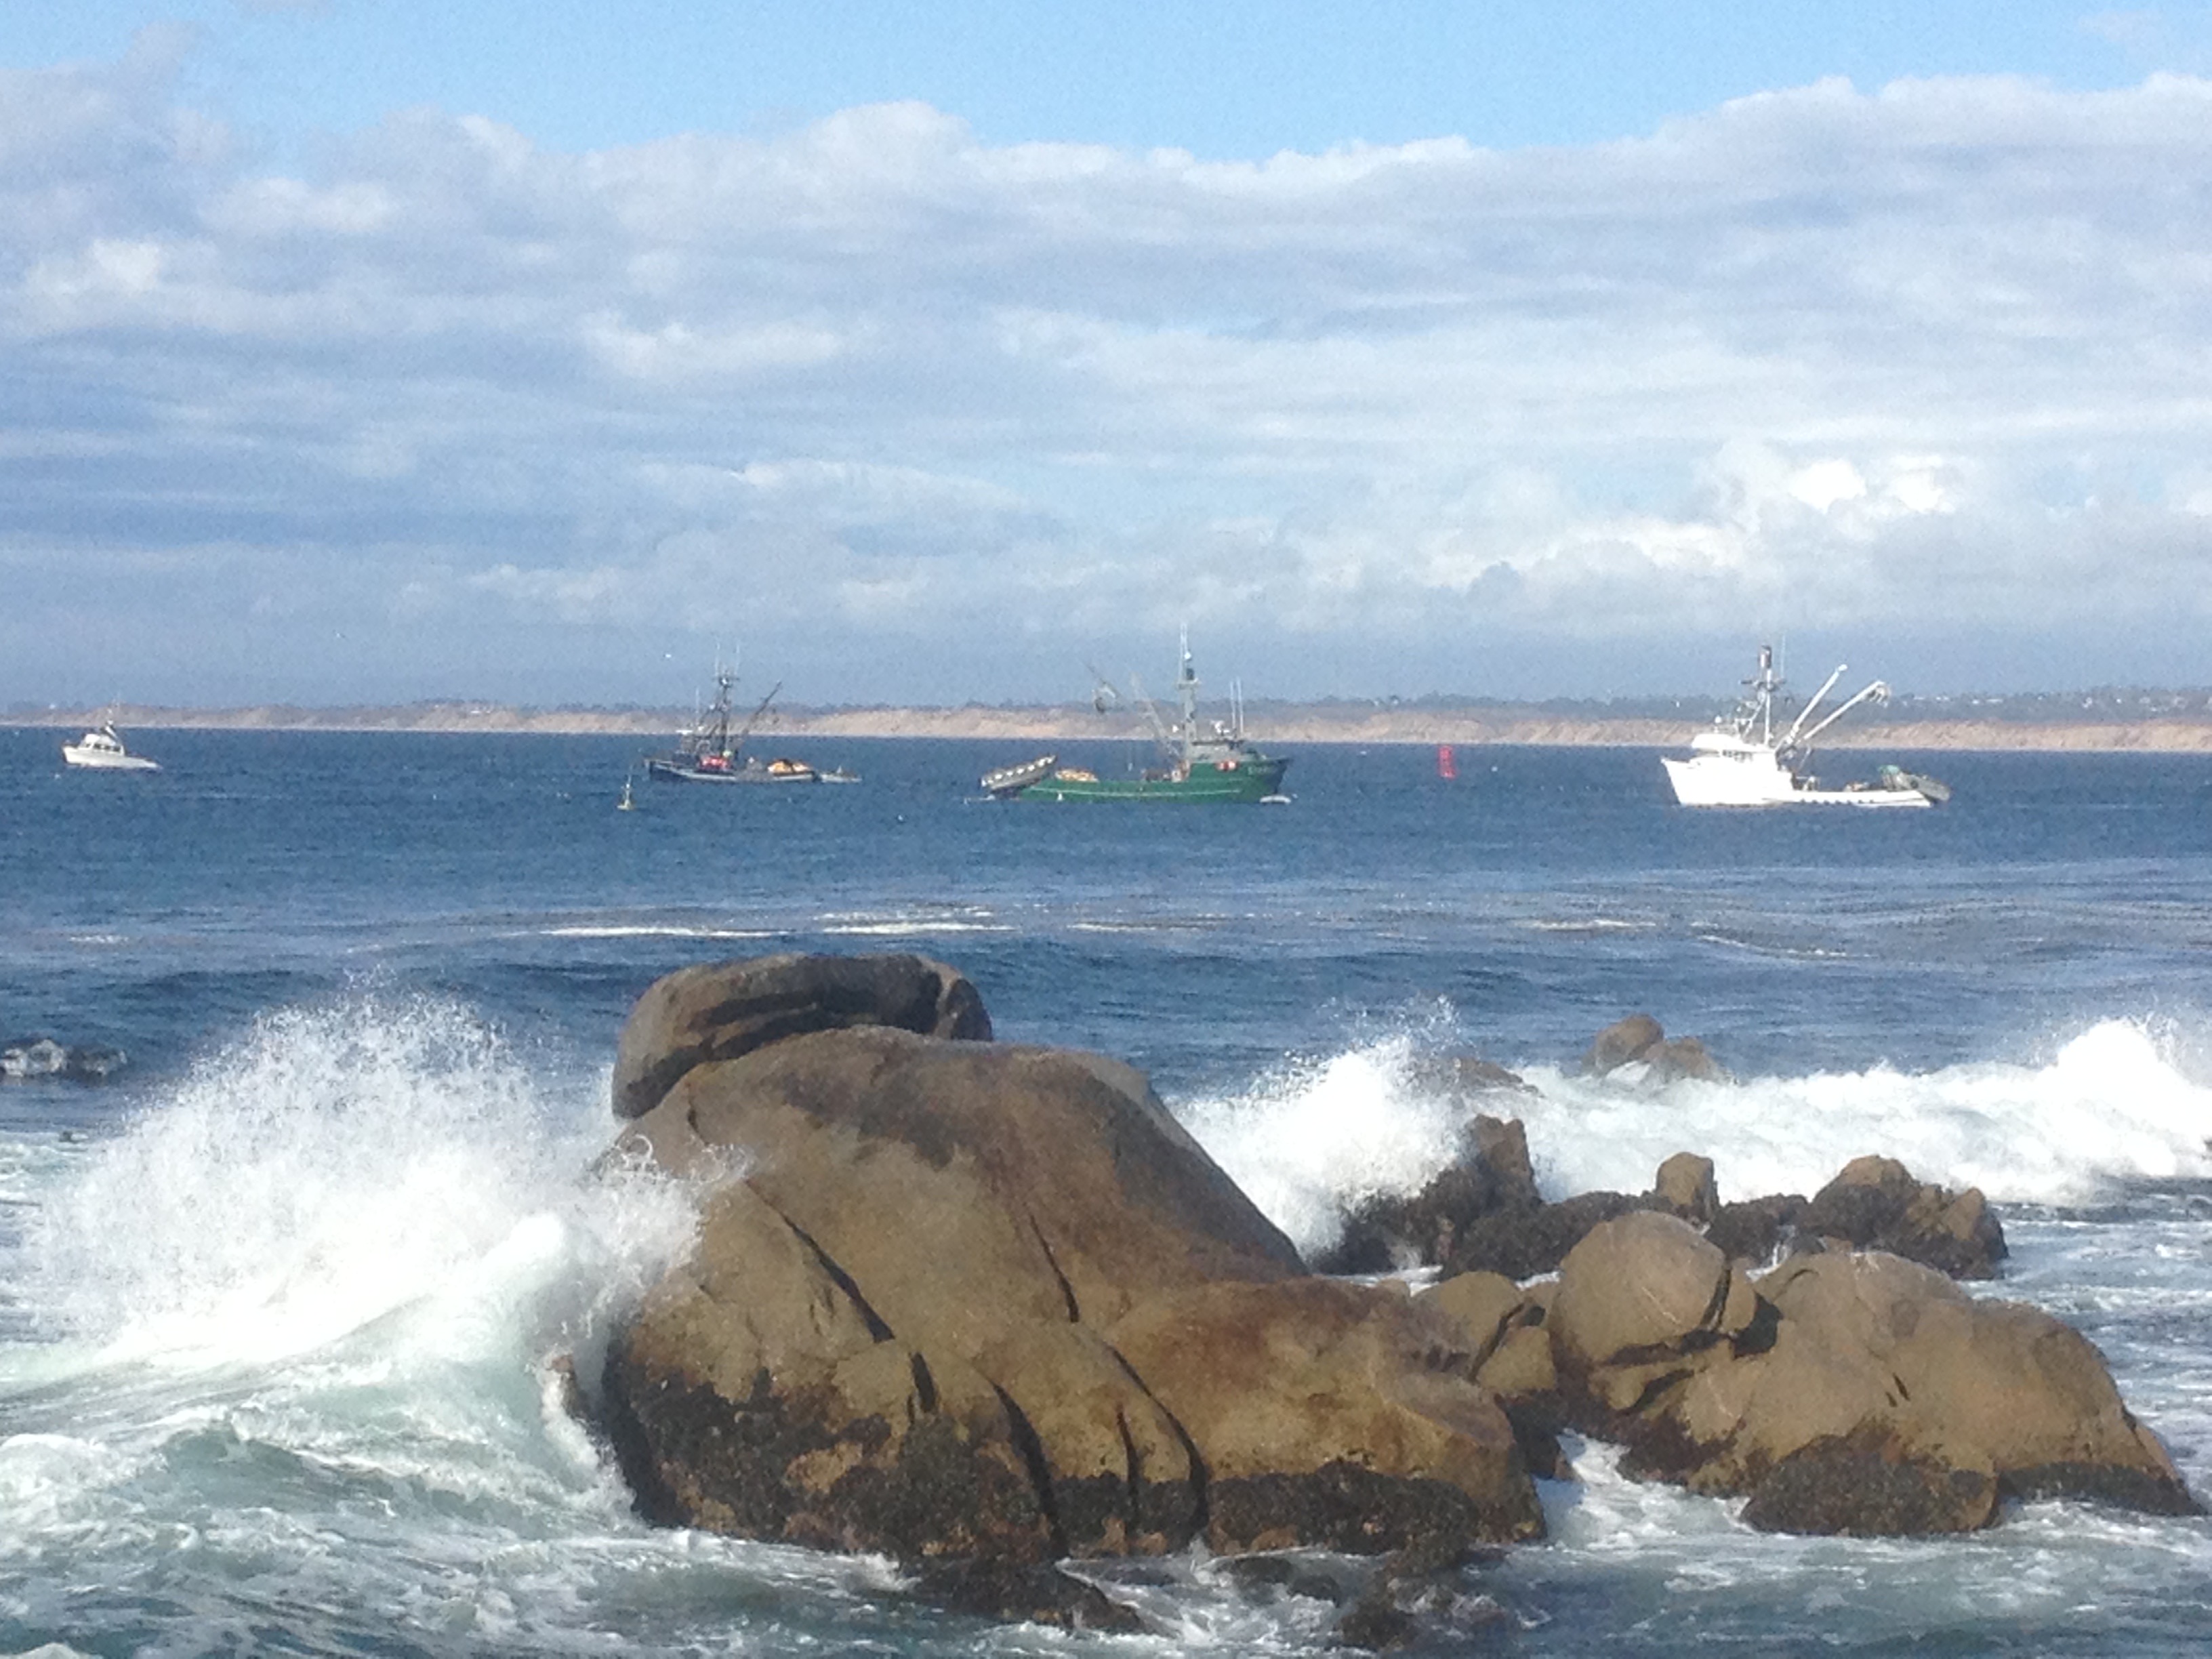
(2113, 1105)
(334, 1168)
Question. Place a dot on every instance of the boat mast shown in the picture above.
(1186, 690)
(1757, 713)
(718, 738)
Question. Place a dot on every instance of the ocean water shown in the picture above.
(276, 1300)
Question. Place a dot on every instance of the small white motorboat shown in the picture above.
(101, 750)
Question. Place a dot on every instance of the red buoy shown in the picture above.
(1446, 766)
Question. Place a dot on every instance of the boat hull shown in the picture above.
(99, 760)
(1249, 781)
(677, 772)
(1705, 782)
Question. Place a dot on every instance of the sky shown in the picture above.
(371, 350)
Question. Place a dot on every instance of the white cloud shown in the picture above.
(1822, 358)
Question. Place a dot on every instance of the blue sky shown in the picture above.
(378, 351)
(1228, 79)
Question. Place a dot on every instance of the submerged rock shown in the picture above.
(25, 1058)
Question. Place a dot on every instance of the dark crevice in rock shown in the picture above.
(1710, 1319)
(874, 1320)
(1761, 1334)
(1067, 1290)
(1201, 1481)
(925, 1385)
(1024, 1436)
(1133, 1462)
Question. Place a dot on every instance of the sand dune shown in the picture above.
(1284, 725)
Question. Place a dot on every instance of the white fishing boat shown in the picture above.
(1744, 761)
(101, 750)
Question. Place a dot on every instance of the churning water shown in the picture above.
(276, 1304)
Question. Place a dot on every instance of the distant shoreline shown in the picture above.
(1286, 725)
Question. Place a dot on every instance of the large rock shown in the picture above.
(719, 1010)
(1875, 1204)
(1644, 1284)
(1868, 1395)
(969, 1301)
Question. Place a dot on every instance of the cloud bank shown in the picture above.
(1918, 373)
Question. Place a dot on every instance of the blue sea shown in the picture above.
(276, 1300)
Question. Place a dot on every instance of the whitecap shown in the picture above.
(2111, 1106)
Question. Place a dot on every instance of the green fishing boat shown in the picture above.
(1215, 762)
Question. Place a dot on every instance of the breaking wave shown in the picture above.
(2113, 1105)
(334, 1168)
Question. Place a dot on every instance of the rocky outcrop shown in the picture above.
(1639, 1040)
(979, 1306)
(721, 1011)
(1490, 1176)
(1841, 1392)
(1483, 1213)
(1875, 1204)
(983, 1306)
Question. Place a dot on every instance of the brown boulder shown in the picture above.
(1999, 1381)
(719, 1011)
(1874, 1204)
(1640, 1039)
(1478, 1307)
(952, 1299)
(1641, 1290)
(1880, 1398)
(1685, 1187)
(1622, 1042)
(1330, 1414)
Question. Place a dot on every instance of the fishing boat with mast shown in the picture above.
(708, 751)
(1215, 762)
(1744, 761)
